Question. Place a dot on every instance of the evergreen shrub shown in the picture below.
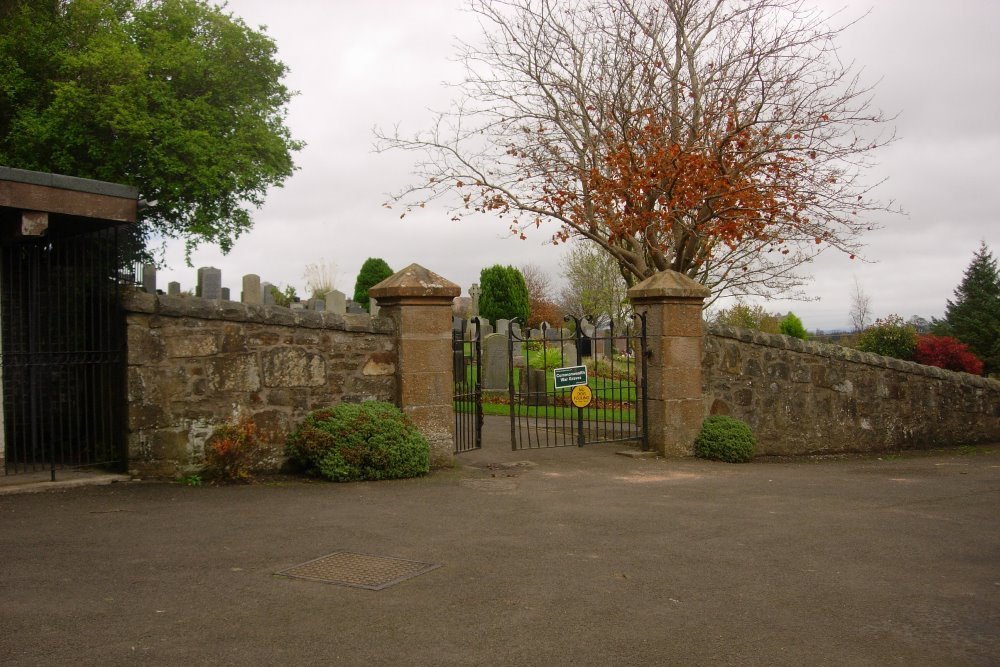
(890, 337)
(359, 441)
(724, 438)
(792, 326)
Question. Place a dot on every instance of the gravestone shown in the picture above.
(251, 294)
(485, 329)
(355, 308)
(297, 305)
(224, 294)
(373, 307)
(569, 355)
(474, 293)
(602, 343)
(336, 302)
(209, 283)
(503, 326)
(533, 389)
(495, 368)
(316, 304)
(149, 278)
(457, 324)
(174, 288)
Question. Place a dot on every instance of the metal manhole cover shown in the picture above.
(358, 570)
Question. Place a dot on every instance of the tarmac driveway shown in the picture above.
(575, 557)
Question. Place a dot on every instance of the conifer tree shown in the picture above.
(974, 316)
(373, 271)
(504, 294)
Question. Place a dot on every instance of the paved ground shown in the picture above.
(578, 557)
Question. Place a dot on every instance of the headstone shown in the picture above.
(485, 329)
(457, 324)
(516, 328)
(297, 305)
(569, 355)
(336, 302)
(495, 367)
(602, 343)
(355, 309)
(474, 293)
(503, 326)
(174, 288)
(533, 386)
(534, 334)
(209, 283)
(149, 278)
(317, 304)
(251, 295)
(553, 334)
(266, 294)
(588, 329)
(225, 293)
(373, 307)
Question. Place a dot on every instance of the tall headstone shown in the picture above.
(336, 302)
(373, 307)
(252, 295)
(149, 278)
(225, 294)
(534, 386)
(174, 288)
(474, 293)
(266, 294)
(209, 282)
(495, 362)
(503, 326)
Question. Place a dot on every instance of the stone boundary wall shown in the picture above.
(802, 397)
(194, 363)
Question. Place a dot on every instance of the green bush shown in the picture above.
(792, 326)
(504, 294)
(357, 441)
(890, 337)
(724, 438)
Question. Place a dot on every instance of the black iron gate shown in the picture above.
(466, 357)
(543, 415)
(62, 352)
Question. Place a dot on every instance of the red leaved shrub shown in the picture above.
(946, 352)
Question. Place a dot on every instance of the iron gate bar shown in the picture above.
(540, 418)
(468, 393)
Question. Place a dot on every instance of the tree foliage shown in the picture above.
(792, 326)
(176, 97)
(974, 316)
(504, 294)
(594, 285)
(746, 316)
(890, 337)
(946, 352)
(721, 139)
(373, 271)
(541, 306)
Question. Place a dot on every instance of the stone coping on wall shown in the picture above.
(846, 354)
(137, 301)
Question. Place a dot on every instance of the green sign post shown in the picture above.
(571, 376)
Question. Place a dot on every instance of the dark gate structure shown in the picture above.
(466, 350)
(63, 259)
(544, 416)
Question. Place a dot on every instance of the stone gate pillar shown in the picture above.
(673, 304)
(419, 302)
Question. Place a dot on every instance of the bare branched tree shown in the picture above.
(861, 307)
(721, 139)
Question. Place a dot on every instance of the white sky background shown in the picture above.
(357, 65)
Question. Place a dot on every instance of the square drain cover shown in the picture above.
(358, 570)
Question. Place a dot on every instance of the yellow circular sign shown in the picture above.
(582, 396)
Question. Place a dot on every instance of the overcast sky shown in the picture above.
(357, 65)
